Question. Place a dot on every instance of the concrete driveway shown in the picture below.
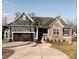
(41, 51)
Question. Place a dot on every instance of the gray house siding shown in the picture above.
(22, 28)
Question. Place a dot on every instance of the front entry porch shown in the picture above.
(41, 31)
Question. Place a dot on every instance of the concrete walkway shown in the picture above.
(15, 44)
(41, 51)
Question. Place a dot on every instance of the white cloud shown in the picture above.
(9, 16)
(8, 4)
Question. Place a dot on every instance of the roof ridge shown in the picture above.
(42, 16)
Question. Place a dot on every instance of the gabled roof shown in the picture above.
(38, 21)
(22, 22)
(61, 21)
(43, 21)
(25, 15)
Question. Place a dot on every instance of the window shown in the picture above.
(55, 31)
(24, 17)
(66, 32)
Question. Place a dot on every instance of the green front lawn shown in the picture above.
(69, 49)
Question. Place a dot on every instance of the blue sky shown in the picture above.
(47, 8)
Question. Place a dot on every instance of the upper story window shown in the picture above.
(55, 31)
(24, 17)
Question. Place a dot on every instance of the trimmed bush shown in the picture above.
(64, 41)
(10, 40)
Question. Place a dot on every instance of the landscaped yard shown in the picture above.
(6, 53)
(69, 49)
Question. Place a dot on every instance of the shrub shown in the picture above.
(46, 39)
(55, 40)
(10, 40)
(59, 41)
(64, 40)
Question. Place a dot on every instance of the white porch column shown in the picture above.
(12, 36)
(9, 33)
(37, 33)
(48, 32)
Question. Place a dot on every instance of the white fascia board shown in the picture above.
(60, 23)
(29, 17)
(26, 15)
(17, 17)
(52, 23)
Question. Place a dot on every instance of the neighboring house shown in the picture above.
(74, 37)
(4, 26)
(26, 28)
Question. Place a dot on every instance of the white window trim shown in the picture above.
(67, 37)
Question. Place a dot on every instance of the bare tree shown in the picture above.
(4, 21)
(32, 14)
(17, 14)
(4, 25)
(73, 24)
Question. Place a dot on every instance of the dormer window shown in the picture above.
(24, 17)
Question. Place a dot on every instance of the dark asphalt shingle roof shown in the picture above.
(43, 21)
(40, 21)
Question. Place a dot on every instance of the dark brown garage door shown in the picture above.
(23, 36)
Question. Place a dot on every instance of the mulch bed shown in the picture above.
(6, 52)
